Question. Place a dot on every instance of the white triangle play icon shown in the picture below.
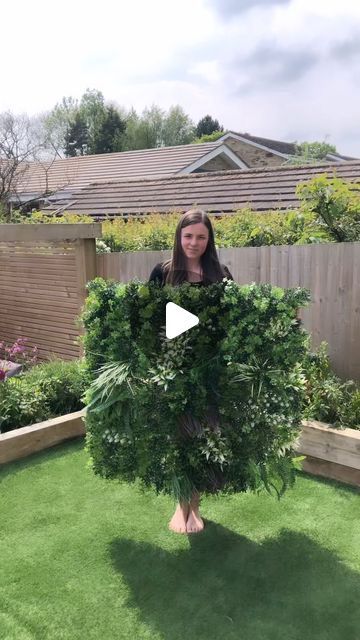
(178, 320)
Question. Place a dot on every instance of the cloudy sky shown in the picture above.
(284, 69)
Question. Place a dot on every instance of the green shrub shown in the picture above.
(217, 408)
(336, 206)
(153, 232)
(209, 137)
(350, 410)
(328, 399)
(47, 390)
(38, 217)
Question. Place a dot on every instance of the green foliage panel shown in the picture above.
(217, 408)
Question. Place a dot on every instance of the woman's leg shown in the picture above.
(194, 522)
(179, 519)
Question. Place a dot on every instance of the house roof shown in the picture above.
(286, 148)
(282, 148)
(83, 170)
(216, 192)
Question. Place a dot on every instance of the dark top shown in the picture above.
(157, 275)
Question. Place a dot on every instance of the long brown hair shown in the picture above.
(175, 269)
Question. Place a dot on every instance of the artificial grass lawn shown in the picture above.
(87, 558)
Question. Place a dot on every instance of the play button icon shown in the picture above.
(178, 320)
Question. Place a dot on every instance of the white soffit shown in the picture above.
(222, 149)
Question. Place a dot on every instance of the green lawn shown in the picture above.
(86, 558)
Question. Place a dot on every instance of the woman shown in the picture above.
(194, 259)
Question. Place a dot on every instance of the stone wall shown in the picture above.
(253, 156)
(219, 163)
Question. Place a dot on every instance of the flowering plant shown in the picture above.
(18, 353)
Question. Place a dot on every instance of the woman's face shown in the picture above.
(194, 239)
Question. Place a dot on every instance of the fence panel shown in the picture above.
(331, 272)
(43, 272)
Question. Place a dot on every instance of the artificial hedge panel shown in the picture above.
(217, 408)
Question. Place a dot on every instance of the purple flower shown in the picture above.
(17, 349)
(18, 352)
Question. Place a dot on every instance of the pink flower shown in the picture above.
(17, 349)
(19, 352)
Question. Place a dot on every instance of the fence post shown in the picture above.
(86, 270)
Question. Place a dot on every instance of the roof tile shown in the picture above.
(216, 192)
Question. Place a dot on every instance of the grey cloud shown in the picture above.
(346, 49)
(267, 65)
(230, 8)
(284, 65)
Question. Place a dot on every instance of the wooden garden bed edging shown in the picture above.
(22, 442)
(331, 453)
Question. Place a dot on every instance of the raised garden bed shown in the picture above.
(331, 453)
(22, 442)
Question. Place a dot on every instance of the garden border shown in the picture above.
(20, 443)
(331, 453)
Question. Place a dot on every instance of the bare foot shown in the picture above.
(178, 521)
(194, 522)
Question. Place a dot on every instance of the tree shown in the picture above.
(18, 146)
(178, 127)
(92, 112)
(58, 122)
(310, 152)
(108, 138)
(157, 128)
(207, 125)
(87, 127)
(130, 137)
(151, 125)
(144, 131)
(91, 126)
(77, 137)
(48, 147)
(25, 140)
(77, 124)
(211, 137)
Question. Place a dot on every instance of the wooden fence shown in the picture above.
(43, 273)
(330, 271)
(44, 270)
